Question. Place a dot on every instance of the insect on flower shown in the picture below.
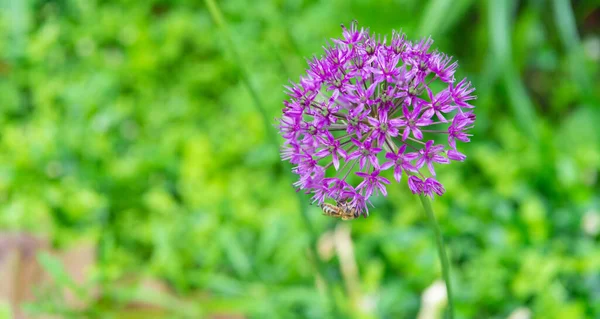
(368, 111)
(339, 210)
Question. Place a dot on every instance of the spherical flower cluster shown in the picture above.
(366, 107)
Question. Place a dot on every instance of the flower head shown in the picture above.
(367, 108)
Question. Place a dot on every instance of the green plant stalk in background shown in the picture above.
(441, 251)
(217, 16)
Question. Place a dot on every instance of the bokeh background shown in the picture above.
(132, 146)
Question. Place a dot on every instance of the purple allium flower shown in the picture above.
(431, 154)
(433, 186)
(332, 147)
(416, 185)
(366, 153)
(400, 161)
(366, 106)
(372, 182)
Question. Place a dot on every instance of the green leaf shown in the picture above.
(5, 310)
(441, 15)
(499, 20)
(57, 271)
(567, 31)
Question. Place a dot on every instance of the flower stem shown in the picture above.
(441, 251)
(217, 16)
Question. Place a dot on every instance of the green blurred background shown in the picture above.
(133, 125)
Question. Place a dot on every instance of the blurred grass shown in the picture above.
(127, 122)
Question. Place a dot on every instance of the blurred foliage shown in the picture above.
(128, 123)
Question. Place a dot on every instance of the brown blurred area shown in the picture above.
(21, 274)
(24, 280)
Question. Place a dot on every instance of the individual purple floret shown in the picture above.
(367, 108)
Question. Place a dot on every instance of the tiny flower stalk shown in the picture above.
(369, 111)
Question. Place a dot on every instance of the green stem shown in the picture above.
(217, 16)
(442, 252)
